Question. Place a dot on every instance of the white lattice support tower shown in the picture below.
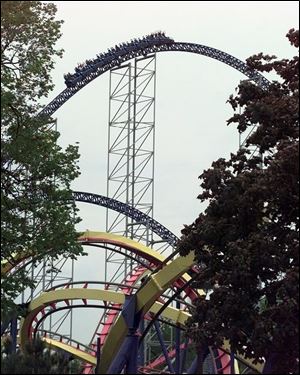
(131, 144)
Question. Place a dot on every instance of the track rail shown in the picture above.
(174, 270)
(98, 66)
(133, 213)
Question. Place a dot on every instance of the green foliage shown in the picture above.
(37, 212)
(37, 359)
(29, 32)
(247, 240)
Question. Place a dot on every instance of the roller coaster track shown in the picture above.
(146, 297)
(129, 211)
(92, 238)
(98, 237)
(77, 353)
(154, 286)
(140, 49)
(110, 314)
(115, 205)
(137, 215)
(87, 74)
(36, 309)
(173, 273)
(107, 238)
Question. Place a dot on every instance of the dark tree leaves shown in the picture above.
(248, 237)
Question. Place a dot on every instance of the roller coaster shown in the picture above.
(145, 299)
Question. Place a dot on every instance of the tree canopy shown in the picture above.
(247, 239)
(37, 211)
(36, 358)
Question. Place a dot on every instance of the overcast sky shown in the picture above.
(191, 108)
(192, 90)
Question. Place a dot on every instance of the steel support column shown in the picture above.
(131, 144)
(183, 355)
(132, 363)
(127, 356)
(163, 347)
(98, 353)
(177, 344)
(141, 355)
(197, 364)
(13, 333)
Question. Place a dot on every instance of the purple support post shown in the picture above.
(131, 365)
(128, 353)
(128, 312)
(141, 355)
(163, 346)
(98, 354)
(271, 359)
(13, 332)
(194, 366)
(177, 344)
(121, 358)
(126, 357)
(197, 362)
(183, 355)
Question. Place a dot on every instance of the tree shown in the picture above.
(37, 359)
(246, 241)
(37, 211)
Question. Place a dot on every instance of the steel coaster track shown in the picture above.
(114, 58)
(129, 211)
(149, 293)
(146, 295)
(99, 66)
(150, 254)
(142, 47)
